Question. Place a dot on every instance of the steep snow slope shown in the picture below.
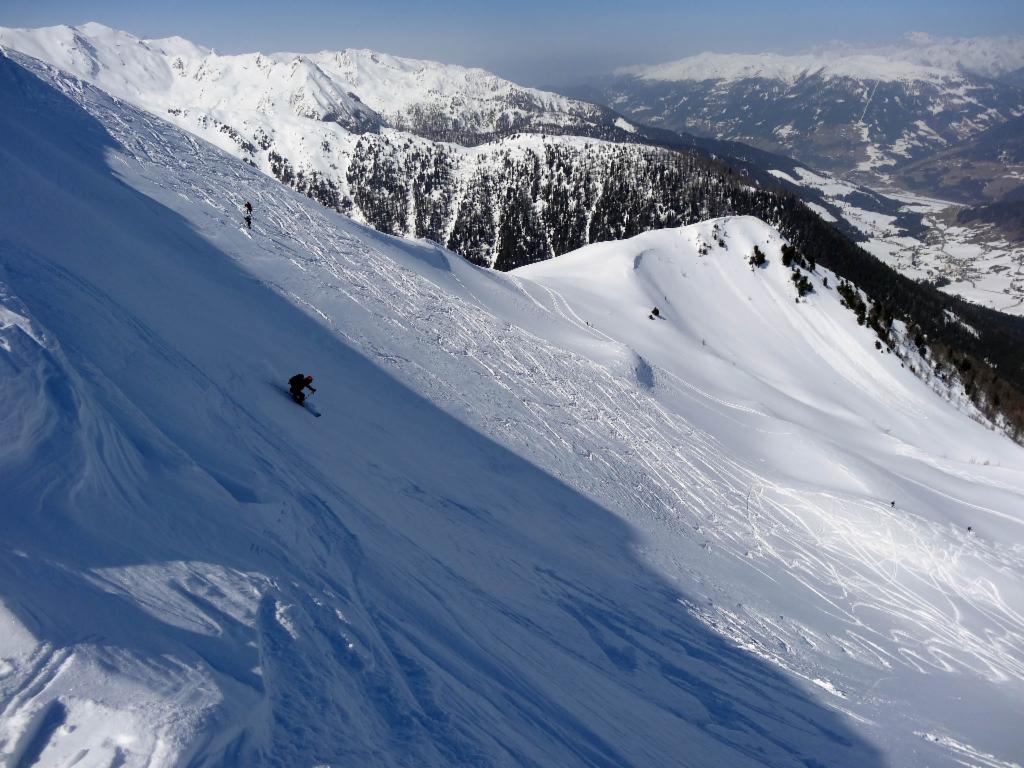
(532, 527)
(503, 203)
(371, 135)
(173, 73)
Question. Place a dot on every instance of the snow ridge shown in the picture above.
(358, 89)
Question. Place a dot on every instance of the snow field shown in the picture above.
(533, 526)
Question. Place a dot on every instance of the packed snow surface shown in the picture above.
(535, 525)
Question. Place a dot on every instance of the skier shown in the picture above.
(248, 208)
(297, 383)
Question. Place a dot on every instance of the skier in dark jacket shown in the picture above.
(296, 385)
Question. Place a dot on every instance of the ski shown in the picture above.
(304, 404)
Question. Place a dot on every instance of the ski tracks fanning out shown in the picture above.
(599, 432)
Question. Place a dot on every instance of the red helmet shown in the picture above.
(309, 378)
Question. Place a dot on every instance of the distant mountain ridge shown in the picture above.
(789, 68)
(846, 109)
(1000, 57)
(917, 56)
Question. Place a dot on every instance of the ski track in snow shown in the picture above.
(702, 483)
(900, 591)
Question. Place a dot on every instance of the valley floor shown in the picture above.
(972, 261)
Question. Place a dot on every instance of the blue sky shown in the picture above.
(532, 41)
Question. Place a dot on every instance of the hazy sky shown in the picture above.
(532, 41)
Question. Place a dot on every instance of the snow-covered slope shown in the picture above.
(532, 527)
(449, 101)
(378, 137)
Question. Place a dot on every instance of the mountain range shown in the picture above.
(866, 111)
(414, 148)
(360, 91)
(423, 149)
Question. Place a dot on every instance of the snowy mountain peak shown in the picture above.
(986, 56)
(391, 83)
(359, 89)
(174, 74)
(178, 46)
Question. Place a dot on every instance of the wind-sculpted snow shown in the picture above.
(533, 526)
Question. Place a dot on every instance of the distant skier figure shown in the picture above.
(892, 504)
(654, 313)
(248, 221)
(248, 208)
(298, 383)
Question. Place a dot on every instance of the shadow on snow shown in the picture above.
(491, 614)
